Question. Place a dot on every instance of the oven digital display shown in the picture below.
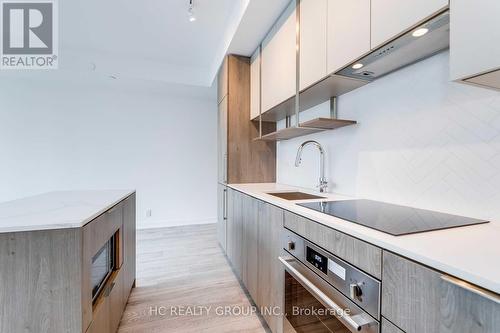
(317, 260)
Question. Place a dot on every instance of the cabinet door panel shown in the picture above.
(129, 227)
(250, 245)
(222, 141)
(117, 302)
(313, 27)
(279, 60)
(348, 32)
(391, 17)
(419, 300)
(473, 27)
(271, 273)
(221, 214)
(235, 230)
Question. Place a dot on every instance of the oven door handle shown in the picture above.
(355, 323)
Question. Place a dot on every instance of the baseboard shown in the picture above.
(152, 224)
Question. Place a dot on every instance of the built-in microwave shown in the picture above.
(323, 293)
(103, 265)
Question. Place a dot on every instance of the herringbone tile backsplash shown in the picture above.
(421, 141)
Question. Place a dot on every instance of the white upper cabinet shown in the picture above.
(348, 32)
(391, 17)
(474, 46)
(255, 84)
(279, 61)
(313, 26)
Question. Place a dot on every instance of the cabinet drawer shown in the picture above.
(356, 252)
(421, 300)
(108, 311)
(117, 301)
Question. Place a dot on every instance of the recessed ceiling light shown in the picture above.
(420, 32)
(357, 66)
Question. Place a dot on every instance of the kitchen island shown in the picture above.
(52, 250)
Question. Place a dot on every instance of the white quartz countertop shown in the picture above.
(57, 210)
(470, 253)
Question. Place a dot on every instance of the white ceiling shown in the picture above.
(154, 40)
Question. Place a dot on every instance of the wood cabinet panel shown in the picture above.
(388, 327)
(222, 81)
(247, 161)
(102, 317)
(348, 32)
(279, 59)
(250, 244)
(389, 18)
(221, 214)
(222, 141)
(46, 264)
(417, 299)
(235, 230)
(129, 227)
(271, 272)
(117, 300)
(313, 41)
(95, 234)
(356, 252)
(255, 85)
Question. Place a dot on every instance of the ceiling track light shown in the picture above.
(191, 16)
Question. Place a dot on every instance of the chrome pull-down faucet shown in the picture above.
(323, 183)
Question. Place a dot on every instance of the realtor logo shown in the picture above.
(29, 34)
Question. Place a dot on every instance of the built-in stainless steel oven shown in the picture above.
(326, 294)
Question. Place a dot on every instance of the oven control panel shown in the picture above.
(317, 259)
(361, 288)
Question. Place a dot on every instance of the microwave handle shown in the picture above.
(354, 323)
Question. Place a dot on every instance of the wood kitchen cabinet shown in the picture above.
(46, 276)
(241, 159)
(313, 41)
(129, 242)
(271, 272)
(389, 18)
(222, 141)
(420, 300)
(279, 55)
(223, 81)
(250, 245)
(474, 34)
(348, 32)
(253, 247)
(234, 230)
(222, 215)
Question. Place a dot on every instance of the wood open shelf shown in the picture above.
(321, 91)
(327, 123)
(308, 127)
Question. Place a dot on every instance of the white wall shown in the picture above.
(106, 134)
(421, 141)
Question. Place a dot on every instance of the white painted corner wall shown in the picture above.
(158, 139)
(421, 141)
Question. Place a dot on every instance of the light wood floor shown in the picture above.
(184, 266)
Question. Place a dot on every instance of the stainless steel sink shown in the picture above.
(295, 195)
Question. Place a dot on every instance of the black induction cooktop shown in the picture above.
(392, 219)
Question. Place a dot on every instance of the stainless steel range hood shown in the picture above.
(417, 44)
